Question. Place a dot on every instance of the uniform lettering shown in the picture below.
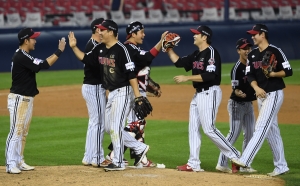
(256, 64)
(198, 65)
(107, 61)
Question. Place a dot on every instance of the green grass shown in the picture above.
(57, 141)
(163, 75)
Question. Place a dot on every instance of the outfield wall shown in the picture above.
(285, 35)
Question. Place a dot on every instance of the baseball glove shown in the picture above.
(268, 63)
(153, 89)
(170, 41)
(142, 107)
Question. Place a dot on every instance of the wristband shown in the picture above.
(58, 52)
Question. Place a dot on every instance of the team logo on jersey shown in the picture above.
(234, 83)
(37, 61)
(111, 70)
(112, 56)
(286, 65)
(198, 65)
(211, 61)
(201, 59)
(130, 66)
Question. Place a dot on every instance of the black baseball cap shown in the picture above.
(108, 24)
(133, 27)
(205, 30)
(242, 43)
(258, 28)
(26, 33)
(97, 21)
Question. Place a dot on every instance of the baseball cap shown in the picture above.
(108, 24)
(258, 28)
(25, 33)
(134, 26)
(242, 43)
(97, 21)
(205, 30)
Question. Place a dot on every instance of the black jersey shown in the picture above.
(141, 59)
(207, 63)
(93, 74)
(239, 81)
(118, 68)
(255, 73)
(24, 68)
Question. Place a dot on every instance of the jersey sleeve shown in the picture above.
(143, 57)
(186, 62)
(128, 66)
(91, 57)
(34, 64)
(212, 65)
(283, 63)
(236, 77)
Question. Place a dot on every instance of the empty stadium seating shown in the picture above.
(185, 10)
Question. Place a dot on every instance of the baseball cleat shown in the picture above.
(113, 167)
(149, 164)
(140, 157)
(14, 170)
(223, 169)
(26, 167)
(247, 170)
(85, 163)
(275, 173)
(187, 168)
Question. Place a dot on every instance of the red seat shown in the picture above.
(50, 6)
(76, 6)
(15, 6)
(4, 6)
(87, 6)
(64, 7)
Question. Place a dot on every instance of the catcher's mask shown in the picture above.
(133, 27)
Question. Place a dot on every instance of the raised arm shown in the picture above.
(61, 47)
(73, 42)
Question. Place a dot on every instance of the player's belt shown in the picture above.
(198, 90)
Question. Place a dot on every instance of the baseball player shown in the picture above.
(205, 64)
(135, 36)
(94, 94)
(240, 108)
(22, 92)
(269, 93)
(120, 79)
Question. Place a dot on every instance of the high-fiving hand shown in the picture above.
(72, 39)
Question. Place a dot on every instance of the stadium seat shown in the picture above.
(87, 6)
(257, 15)
(50, 7)
(76, 6)
(285, 12)
(4, 6)
(234, 16)
(138, 15)
(155, 16)
(172, 16)
(80, 19)
(118, 17)
(99, 14)
(297, 12)
(210, 14)
(34, 19)
(268, 13)
(13, 19)
(2, 21)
